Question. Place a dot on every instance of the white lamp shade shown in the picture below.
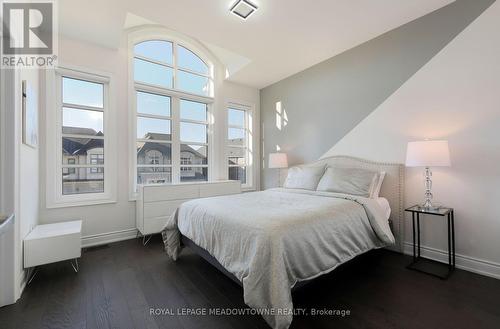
(428, 154)
(278, 160)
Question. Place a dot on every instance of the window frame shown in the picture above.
(187, 167)
(54, 116)
(174, 66)
(143, 140)
(136, 37)
(250, 149)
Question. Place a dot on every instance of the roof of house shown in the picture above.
(80, 145)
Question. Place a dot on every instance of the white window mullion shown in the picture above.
(211, 142)
(156, 141)
(194, 72)
(58, 128)
(153, 89)
(246, 141)
(176, 144)
(108, 163)
(142, 58)
(81, 136)
(174, 61)
(153, 116)
(83, 166)
(196, 121)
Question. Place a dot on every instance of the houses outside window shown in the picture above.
(97, 159)
(70, 170)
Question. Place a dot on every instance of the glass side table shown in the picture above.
(425, 265)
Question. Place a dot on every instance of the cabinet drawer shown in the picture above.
(161, 208)
(52, 249)
(154, 225)
(173, 192)
(216, 189)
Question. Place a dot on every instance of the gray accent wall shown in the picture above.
(306, 114)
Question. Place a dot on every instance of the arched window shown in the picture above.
(173, 87)
(164, 64)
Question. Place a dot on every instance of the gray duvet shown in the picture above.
(271, 240)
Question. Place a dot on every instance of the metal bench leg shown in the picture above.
(75, 266)
(35, 271)
(144, 240)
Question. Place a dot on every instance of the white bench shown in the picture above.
(52, 243)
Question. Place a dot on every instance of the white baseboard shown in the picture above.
(463, 262)
(109, 237)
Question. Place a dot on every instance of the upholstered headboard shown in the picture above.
(392, 188)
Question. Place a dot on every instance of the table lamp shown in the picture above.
(278, 161)
(428, 154)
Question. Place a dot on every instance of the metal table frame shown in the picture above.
(417, 258)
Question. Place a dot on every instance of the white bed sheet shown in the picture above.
(386, 208)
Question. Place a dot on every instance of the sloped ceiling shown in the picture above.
(282, 38)
(322, 104)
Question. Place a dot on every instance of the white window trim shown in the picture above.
(53, 121)
(251, 140)
(140, 35)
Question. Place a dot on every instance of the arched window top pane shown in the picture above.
(189, 60)
(158, 50)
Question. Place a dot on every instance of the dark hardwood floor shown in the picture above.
(118, 284)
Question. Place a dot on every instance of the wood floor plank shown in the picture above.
(159, 298)
(137, 304)
(118, 312)
(220, 290)
(30, 310)
(118, 284)
(196, 299)
(97, 303)
(66, 299)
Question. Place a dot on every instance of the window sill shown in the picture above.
(86, 203)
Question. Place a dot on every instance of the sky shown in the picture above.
(92, 94)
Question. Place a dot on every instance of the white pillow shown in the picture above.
(376, 187)
(305, 178)
(351, 181)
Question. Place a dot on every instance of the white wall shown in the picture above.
(9, 165)
(455, 97)
(20, 166)
(117, 220)
(29, 175)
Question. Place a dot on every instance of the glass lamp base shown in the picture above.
(428, 194)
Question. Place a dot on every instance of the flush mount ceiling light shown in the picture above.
(243, 8)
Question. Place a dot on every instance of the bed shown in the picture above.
(272, 241)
